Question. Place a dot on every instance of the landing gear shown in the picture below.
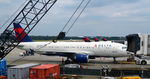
(115, 60)
(67, 62)
(70, 61)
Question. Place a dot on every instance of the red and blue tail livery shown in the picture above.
(21, 35)
(86, 39)
(96, 39)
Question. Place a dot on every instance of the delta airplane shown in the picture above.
(74, 51)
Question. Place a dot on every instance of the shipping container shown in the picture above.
(20, 71)
(3, 67)
(47, 71)
(3, 77)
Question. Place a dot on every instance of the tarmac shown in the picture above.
(13, 58)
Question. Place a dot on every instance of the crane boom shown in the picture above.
(28, 17)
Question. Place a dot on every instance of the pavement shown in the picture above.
(13, 58)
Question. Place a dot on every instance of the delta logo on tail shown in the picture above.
(20, 33)
(96, 39)
(86, 39)
(104, 39)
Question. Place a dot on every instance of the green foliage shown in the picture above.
(75, 38)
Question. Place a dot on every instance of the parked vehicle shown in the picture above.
(143, 60)
(131, 77)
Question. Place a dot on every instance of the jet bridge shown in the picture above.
(133, 42)
(139, 44)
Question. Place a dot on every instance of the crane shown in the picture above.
(28, 17)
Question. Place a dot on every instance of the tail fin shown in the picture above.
(96, 39)
(86, 39)
(21, 34)
(104, 39)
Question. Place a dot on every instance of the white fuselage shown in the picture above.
(102, 49)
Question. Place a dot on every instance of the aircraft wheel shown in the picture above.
(67, 62)
(143, 62)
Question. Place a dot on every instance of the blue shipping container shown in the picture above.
(3, 67)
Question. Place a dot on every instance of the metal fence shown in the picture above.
(79, 71)
(114, 73)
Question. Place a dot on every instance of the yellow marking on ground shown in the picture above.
(124, 62)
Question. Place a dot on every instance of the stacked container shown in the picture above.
(3, 67)
(47, 71)
(20, 71)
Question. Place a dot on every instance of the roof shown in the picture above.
(45, 66)
(26, 65)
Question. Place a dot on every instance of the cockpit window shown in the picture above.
(124, 48)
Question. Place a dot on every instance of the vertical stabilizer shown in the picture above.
(21, 34)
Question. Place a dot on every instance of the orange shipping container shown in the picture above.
(47, 71)
(3, 77)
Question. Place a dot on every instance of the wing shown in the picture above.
(66, 52)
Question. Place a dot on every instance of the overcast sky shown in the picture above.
(100, 18)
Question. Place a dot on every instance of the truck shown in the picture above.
(143, 60)
(139, 44)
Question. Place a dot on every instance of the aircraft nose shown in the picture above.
(20, 46)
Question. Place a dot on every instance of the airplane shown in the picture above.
(79, 52)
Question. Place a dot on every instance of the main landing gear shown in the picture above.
(115, 60)
(67, 61)
(70, 60)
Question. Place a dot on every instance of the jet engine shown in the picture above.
(82, 58)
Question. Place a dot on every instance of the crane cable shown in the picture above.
(62, 33)
(13, 14)
(70, 20)
(73, 14)
(16, 60)
(78, 16)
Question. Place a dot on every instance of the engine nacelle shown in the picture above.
(82, 58)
